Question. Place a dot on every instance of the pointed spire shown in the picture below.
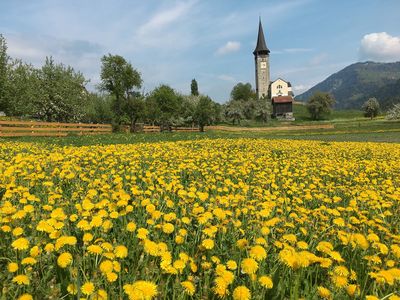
(261, 47)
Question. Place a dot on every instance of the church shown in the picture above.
(279, 92)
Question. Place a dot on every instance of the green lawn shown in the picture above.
(363, 130)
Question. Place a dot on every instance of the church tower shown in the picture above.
(261, 58)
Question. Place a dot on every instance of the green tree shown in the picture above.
(167, 105)
(61, 92)
(3, 71)
(21, 89)
(204, 112)
(98, 109)
(188, 107)
(371, 108)
(135, 109)
(262, 110)
(194, 89)
(319, 104)
(120, 79)
(242, 92)
(234, 111)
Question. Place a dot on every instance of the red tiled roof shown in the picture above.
(282, 99)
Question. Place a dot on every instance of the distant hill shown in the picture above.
(353, 85)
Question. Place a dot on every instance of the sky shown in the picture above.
(172, 42)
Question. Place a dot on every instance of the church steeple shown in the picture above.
(261, 59)
(261, 47)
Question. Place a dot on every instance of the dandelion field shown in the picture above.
(207, 219)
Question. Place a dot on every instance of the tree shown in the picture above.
(242, 92)
(21, 89)
(3, 71)
(120, 79)
(135, 109)
(194, 89)
(394, 112)
(319, 104)
(234, 111)
(262, 110)
(167, 105)
(204, 112)
(371, 108)
(61, 92)
(98, 109)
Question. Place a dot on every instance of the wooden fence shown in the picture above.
(148, 128)
(33, 128)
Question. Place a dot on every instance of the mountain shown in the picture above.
(353, 85)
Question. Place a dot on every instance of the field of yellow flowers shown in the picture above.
(210, 219)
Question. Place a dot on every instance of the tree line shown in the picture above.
(56, 92)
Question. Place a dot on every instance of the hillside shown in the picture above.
(357, 82)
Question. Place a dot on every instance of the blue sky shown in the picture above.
(171, 42)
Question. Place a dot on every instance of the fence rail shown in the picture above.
(34, 128)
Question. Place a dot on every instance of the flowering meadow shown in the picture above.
(209, 219)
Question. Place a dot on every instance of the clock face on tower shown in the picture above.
(263, 65)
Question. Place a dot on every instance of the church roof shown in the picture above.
(282, 99)
(261, 47)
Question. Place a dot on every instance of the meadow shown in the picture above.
(220, 218)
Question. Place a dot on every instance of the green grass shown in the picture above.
(363, 130)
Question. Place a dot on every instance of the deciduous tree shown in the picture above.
(319, 104)
(120, 79)
(371, 108)
(61, 92)
(204, 112)
(3, 71)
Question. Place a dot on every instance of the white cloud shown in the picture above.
(318, 59)
(297, 50)
(229, 47)
(380, 46)
(165, 17)
(226, 78)
(300, 88)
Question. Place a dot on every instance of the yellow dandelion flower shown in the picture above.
(131, 227)
(111, 276)
(28, 261)
(141, 290)
(208, 244)
(168, 228)
(339, 281)
(17, 231)
(324, 293)
(258, 253)
(266, 282)
(249, 266)
(106, 266)
(20, 244)
(25, 297)
(231, 265)
(12, 267)
(188, 287)
(64, 259)
(21, 279)
(121, 251)
(87, 288)
(241, 293)
(95, 249)
(100, 295)
(72, 289)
